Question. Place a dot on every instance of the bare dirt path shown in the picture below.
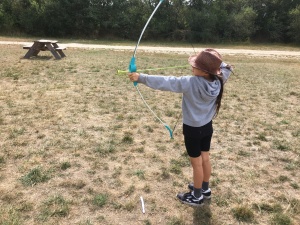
(179, 50)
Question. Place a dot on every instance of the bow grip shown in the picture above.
(132, 68)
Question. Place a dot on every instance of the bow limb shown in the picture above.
(142, 33)
(133, 68)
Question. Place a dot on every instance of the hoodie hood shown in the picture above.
(208, 90)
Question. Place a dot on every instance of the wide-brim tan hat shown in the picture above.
(208, 60)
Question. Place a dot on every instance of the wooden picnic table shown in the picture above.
(44, 45)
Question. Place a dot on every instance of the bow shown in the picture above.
(132, 68)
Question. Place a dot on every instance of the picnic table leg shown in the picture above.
(52, 50)
(62, 54)
(38, 48)
(33, 51)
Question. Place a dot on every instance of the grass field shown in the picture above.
(79, 147)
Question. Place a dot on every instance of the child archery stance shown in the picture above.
(201, 101)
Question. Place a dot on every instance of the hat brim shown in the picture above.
(192, 62)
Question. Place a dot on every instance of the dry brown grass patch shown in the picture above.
(86, 129)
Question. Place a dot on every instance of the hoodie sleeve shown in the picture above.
(226, 72)
(165, 83)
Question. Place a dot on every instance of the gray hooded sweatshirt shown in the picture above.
(199, 95)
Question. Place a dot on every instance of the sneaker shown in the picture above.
(190, 199)
(206, 193)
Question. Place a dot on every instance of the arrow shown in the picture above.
(152, 69)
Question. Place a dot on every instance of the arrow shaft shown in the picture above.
(152, 69)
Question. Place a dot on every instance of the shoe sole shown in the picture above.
(190, 204)
(206, 197)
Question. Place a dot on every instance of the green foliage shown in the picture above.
(176, 221)
(243, 213)
(281, 219)
(165, 173)
(175, 167)
(281, 145)
(100, 200)
(130, 190)
(36, 175)
(2, 160)
(273, 208)
(294, 16)
(244, 23)
(55, 206)
(9, 216)
(106, 148)
(65, 165)
(127, 139)
(140, 174)
(179, 20)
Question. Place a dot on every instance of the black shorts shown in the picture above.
(197, 139)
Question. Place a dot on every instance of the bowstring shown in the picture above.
(146, 104)
(180, 113)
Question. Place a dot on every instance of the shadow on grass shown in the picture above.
(39, 58)
(202, 215)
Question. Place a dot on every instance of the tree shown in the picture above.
(244, 24)
(294, 27)
(273, 19)
(192, 20)
(6, 20)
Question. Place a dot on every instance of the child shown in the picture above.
(201, 101)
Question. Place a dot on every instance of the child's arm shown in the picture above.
(226, 71)
(163, 83)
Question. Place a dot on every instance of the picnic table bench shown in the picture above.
(45, 45)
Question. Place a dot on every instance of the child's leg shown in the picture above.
(197, 175)
(206, 166)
